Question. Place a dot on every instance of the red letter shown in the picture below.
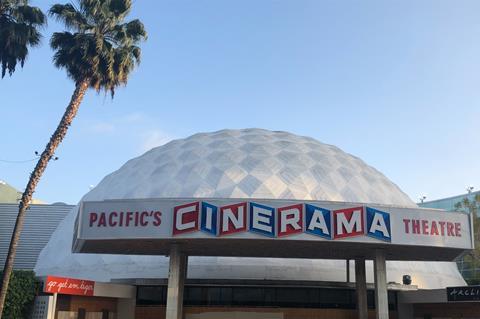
(93, 218)
(425, 227)
(121, 219)
(415, 226)
(158, 218)
(143, 222)
(129, 218)
(136, 219)
(103, 220)
(442, 228)
(457, 230)
(450, 229)
(112, 223)
(434, 229)
(406, 222)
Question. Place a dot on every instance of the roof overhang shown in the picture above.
(270, 228)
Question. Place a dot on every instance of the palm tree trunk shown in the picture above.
(37, 173)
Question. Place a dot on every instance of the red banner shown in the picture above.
(69, 286)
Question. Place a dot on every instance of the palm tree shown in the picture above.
(19, 24)
(100, 53)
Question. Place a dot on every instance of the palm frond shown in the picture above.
(19, 30)
(70, 16)
(30, 15)
(101, 46)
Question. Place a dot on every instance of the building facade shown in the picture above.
(249, 164)
(448, 203)
(40, 222)
(469, 265)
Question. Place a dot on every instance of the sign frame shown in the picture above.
(396, 229)
(463, 294)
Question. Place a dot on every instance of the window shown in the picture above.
(248, 296)
(193, 296)
(289, 297)
(151, 295)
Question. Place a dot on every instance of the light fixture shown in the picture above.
(407, 280)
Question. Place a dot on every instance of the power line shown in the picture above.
(18, 162)
(37, 154)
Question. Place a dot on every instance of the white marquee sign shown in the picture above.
(272, 220)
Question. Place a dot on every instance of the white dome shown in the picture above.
(250, 163)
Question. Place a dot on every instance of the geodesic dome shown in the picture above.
(249, 163)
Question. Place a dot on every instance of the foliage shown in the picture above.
(100, 53)
(102, 48)
(19, 24)
(469, 264)
(20, 295)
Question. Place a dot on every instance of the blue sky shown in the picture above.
(395, 83)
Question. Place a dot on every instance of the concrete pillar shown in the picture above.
(361, 288)
(176, 280)
(53, 313)
(380, 274)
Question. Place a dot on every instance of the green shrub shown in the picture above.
(21, 294)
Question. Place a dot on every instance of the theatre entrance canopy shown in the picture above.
(270, 228)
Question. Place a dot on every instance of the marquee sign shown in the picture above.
(281, 220)
(68, 286)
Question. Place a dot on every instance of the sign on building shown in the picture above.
(465, 293)
(215, 221)
(68, 286)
